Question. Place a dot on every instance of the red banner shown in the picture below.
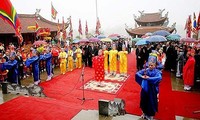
(98, 26)
(53, 12)
(80, 27)
(86, 29)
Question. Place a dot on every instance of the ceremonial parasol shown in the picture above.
(47, 38)
(39, 42)
(31, 28)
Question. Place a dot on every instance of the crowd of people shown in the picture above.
(20, 63)
(179, 58)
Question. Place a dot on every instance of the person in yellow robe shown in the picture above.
(123, 61)
(113, 60)
(63, 61)
(78, 52)
(105, 53)
(70, 59)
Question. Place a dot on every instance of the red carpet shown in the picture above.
(31, 108)
(63, 92)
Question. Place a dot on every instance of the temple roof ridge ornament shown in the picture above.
(166, 22)
(161, 11)
(155, 17)
(166, 15)
(150, 22)
(173, 25)
(37, 13)
(141, 13)
(134, 16)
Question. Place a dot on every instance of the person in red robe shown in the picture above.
(98, 65)
(188, 71)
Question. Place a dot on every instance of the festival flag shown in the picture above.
(64, 30)
(80, 27)
(198, 22)
(98, 26)
(189, 26)
(86, 29)
(70, 29)
(194, 21)
(9, 14)
(58, 31)
(186, 24)
(198, 27)
(36, 25)
(53, 12)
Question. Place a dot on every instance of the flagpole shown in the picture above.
(51, 12)
(96, 10)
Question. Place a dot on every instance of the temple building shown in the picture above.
(149, 23)
(28, 22)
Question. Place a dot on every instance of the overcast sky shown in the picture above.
(113, 14)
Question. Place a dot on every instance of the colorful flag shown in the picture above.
(86, 29)
(9, 14)
(186, 24)
(36, 25)
(70, 29)
(53, 12)
(189, 26)
(80, 27)
(58, 31)
(64, 30)
(194, 21)
(98, 26)
(43, 32)
(198, 22)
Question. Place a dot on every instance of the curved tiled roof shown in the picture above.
(151, 18)
(145, 29)
(28, 20)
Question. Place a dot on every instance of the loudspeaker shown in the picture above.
(103, 107)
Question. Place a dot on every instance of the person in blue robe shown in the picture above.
(48, 57)
(149, 80)
(158, 64)
(34, 61)
(12, 66)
